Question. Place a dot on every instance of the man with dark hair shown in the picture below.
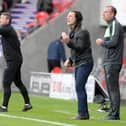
(113, 46)
(78, 40)
(13, 57)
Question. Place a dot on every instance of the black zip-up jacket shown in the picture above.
(113, 43)
(10, 44)
(80, 47)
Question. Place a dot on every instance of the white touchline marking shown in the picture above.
(63, 112)
(36, 120)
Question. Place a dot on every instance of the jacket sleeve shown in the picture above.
(5, 30)
(113, 41)
(80, 42)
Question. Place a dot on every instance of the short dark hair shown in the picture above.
(8, 15)
(113, 9)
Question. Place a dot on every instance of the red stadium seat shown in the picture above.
(56, 70)
(58, 7)
(66, 3)
(42, 17)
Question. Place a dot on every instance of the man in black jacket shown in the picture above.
(13, 57)
(78, 40)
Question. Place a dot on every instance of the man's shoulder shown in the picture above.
(57, 41)
(84, 32)
(117, 22)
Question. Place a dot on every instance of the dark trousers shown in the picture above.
(52, 64)
(81, 75)
(112, 81)
(13, 74)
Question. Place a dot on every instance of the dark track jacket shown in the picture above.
(56, 51)
(10, 44)
(80, 47)
(113, 43)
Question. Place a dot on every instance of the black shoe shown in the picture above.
(26, 108)
(112, 118)
(3, 109)
(81, 117)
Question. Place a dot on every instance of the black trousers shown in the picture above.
(13, 74)
(52, 64)
(112, 81)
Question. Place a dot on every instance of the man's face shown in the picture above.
(71, 20)
(4, 20)
(108, 14)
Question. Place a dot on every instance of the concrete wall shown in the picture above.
(34, 48)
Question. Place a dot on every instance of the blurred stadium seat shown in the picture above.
(56, 70)
(42, 17)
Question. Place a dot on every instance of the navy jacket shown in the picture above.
(56, 51)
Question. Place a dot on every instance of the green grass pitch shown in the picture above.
(53, 112)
